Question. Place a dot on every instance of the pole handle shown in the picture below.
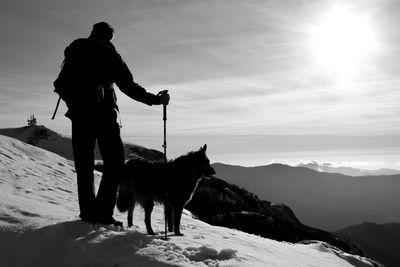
(164, 112)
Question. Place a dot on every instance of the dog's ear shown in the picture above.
(204, 148)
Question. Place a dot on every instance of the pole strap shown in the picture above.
(55, 110)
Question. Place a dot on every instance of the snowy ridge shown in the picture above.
(39, 227)
(41, 136)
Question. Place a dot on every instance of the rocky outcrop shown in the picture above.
(220, 203)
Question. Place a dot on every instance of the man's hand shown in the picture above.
(163, 98)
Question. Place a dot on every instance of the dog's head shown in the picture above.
(204, 163)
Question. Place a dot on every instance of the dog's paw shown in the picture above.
(179, 234)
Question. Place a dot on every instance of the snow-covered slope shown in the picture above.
(39, 227)
(37, 187)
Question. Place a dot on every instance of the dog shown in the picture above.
(143, 182)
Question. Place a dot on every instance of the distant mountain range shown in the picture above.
(379, 241)
(328, 201)
(329, 168)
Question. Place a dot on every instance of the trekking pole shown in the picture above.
(165, 169)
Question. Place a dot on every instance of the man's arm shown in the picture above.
(124, 80)
(128, 86)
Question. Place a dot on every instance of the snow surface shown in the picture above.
(39, 226)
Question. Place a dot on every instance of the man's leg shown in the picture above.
(83, 142)
(112, 152)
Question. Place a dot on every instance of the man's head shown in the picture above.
(102, 31)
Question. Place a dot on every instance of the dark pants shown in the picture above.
(104, 128)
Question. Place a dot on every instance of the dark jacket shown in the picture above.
(88, 73)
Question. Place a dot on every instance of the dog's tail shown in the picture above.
(125, 198)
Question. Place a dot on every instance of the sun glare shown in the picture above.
(342, 41)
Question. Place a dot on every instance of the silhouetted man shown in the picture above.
(85, 83)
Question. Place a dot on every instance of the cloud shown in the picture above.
(270, 104)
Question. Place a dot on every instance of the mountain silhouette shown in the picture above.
(328, 201)
(218, 202)
(329, 168)
(379, 241)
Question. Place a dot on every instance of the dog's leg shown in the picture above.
(148, 208)
(168, 214)
(130, 213)
(177, 220)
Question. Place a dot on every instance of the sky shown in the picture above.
(258, 81)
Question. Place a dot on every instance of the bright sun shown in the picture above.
(342, 41)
